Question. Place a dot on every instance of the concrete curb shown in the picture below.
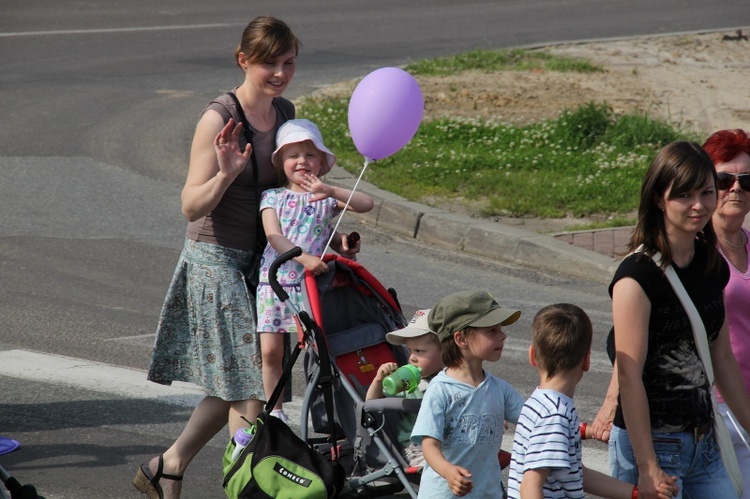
(476, 236)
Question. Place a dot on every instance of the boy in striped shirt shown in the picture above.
(546, 461)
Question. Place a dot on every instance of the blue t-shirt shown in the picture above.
(469, 423)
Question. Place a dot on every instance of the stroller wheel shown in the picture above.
(385, 486)
(355, 494)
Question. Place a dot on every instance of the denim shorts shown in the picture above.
(697, 465)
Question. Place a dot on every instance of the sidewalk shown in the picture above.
(610, 242)
(583, 255)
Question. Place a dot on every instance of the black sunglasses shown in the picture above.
(725, 180)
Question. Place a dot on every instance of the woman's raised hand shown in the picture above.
(231, 159)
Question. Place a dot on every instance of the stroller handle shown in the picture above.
(281, 260)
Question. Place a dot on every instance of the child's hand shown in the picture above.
(375, 391)
(459, 480)
(668, 490)
(313, 263)
(601, 427)
(657, 483)
(319, 189)
(384, 370)
(345, 247)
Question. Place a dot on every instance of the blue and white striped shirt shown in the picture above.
(547, 437)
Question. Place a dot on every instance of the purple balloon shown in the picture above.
(385, 112)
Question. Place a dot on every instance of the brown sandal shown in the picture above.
(149, 485)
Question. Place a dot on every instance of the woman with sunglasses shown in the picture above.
(730, 152)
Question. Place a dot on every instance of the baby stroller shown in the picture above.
(347, 315)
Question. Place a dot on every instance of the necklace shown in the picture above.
(737, 245)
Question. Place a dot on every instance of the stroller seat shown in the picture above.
(355, 312)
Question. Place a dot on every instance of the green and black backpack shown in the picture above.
(278, 464)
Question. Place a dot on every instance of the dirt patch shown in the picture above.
(698, 81)
(524, 97)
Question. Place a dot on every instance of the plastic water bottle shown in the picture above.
(405, 378)
(241, 438)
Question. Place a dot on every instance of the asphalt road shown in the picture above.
(98, 105)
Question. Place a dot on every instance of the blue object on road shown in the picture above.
(8, 445)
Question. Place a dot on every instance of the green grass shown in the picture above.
(612, 222)
(499, 60)
(586, 161)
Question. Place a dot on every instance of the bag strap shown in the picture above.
(699, 329)
(699, 335)
(325, 381)
(285, 376)
(259, 232)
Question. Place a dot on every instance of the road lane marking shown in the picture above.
(117, 30)
(131, 383)
(129, 338)
(93, 376)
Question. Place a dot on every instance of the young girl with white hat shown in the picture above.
(298, 214)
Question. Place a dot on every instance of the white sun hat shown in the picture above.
(417, 327)
(300, 130)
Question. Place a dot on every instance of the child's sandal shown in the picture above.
(149, 485)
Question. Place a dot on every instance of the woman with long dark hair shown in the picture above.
(663, 425)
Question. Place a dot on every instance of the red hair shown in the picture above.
(724, 145)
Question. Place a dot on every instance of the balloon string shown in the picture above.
(341, 216)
